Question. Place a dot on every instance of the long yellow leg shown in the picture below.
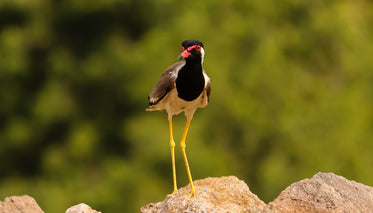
(182, 145)
(172, 145)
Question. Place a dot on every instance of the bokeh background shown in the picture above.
(292, 95)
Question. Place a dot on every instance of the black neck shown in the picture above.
(194, 66)
(190, 81)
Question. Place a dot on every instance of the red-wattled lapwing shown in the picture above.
(183, 86)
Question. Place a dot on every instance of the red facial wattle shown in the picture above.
(186, 51)
(185, 54)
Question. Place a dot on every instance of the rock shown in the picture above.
(226, 194)
(324, 192)
(81, 208)
(19, 204)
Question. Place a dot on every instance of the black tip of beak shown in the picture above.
(180, 57)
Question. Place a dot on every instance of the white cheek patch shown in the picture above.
(202, 54)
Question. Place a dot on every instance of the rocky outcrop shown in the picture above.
(226, 194)
(19, 204)
(27, 204)
(81, 208)
(323, 193)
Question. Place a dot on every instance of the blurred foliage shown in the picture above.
(292, 94)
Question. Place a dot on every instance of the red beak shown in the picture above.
(184, 54)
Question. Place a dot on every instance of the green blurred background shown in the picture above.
(292, 95)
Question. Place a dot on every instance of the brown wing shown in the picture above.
(165, 83)
(207, 85)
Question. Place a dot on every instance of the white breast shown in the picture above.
(175, 105)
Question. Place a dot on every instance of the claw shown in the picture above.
(175, 190)
(192, 194)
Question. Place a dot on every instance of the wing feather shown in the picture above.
(165, 83)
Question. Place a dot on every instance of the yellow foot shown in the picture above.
(175, 190)
(192, 194)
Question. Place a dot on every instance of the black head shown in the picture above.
(192, 49)
(191, 42)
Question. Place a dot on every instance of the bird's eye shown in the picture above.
(198, 48)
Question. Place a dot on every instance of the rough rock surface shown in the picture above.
(81, 208)
(324, 192)
(226, 194)
(19, 204)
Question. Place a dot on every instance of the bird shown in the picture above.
(182, 87)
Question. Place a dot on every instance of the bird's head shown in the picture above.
(192, 50)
